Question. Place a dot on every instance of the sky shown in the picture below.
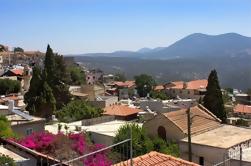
(86, 26)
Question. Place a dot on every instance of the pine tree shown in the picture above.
(213, 100)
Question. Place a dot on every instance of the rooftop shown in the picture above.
(126, 84)
(194, 84)
(202, 119)
(120, 110)
(226, 136)
(14, 156)
(241, 108)
(17, 120)
(156, 159)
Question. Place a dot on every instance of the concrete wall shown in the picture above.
(172, 132)
(108, 101)
(184, 93)
(20, 129)
(211, 155)
(101, 138)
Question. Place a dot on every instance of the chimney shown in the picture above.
(11, 105)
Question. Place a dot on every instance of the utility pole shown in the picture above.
(189, 135)
(240, 155)
(131, 150)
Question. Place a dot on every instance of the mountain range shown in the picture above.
(194, 45)
(189, 58)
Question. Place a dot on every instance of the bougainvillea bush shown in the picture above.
(65, 147)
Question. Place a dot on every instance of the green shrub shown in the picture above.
(5, 129)
(5, 160)
(140, 142)
(78, 110)
(9, 86)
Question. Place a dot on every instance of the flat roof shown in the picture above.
(108, 128)
(16, 119)
(11, 154)
(224, 136)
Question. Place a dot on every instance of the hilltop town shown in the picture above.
(57, 111)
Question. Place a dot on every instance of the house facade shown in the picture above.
(172, 126)
(186, 90)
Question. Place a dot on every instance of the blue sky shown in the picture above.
(81, 26)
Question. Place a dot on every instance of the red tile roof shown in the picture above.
(202, 119)
(126, 84)
(159, 87)
(241, 108)
(120, 110)
(156, 159)
(17, 71)
(195, 84)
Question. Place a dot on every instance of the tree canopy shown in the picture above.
(77, 76)
(5, 160)
(48, 91)
(120, 77)
(213, 99)
(77, 110)
(141, 143)
(144, 84)
(5, 128)
(9, 86)
(18, 49)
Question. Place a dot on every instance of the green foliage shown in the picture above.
(162, 146)
(120, 77)
(2, 48)
(78, 110)
(5, 128)
(48, 91)
(9, 86)
(40, 100)
(77, 76)
(213, 99)
(242, 122)
(229, 90)
(141, 143)
(249, 91)
(159, 95)
(18, 49)
(5, 160)
(144, 84)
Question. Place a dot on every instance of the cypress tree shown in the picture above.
(31, 98)
(213, 100)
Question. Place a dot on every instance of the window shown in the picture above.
(180, 91)
(188, 92)
(201, 160)
(29, 131)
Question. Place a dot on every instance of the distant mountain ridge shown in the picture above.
(194, 45)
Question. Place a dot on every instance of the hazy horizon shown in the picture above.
(76, 27)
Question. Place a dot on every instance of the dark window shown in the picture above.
(201, 162)
(188, 92)
(93, 77)
(162, 132)
(180, 91)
